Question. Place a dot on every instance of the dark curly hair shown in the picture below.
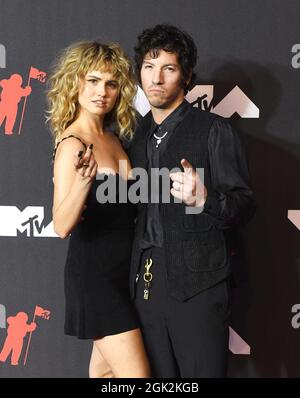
(171, 39)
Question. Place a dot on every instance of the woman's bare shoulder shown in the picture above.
(70, 140)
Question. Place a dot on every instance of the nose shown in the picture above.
(101, 89)
(157, 77)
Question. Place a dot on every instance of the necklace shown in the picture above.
(158, 139)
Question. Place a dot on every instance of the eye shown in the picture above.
(112, 84)
(147, 66)
(93, 81)
(170, 68)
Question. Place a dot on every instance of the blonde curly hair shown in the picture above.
(72, 65)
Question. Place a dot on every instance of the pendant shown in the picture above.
(159, 139)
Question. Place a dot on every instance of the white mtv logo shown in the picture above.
(294, 217)
(236, 101)
(29, 221)
(237, 345)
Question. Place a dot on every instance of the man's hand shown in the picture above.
(187, 186)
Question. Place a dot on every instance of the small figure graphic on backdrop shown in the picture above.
(11, 94)
(16, 331)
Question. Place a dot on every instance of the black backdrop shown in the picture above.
(246, 44)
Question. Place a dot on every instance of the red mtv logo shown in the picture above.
(16, 332)
(11, 95)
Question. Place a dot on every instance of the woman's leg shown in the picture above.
(99, 368)
(125, 354)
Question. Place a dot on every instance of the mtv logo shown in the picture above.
(236, 101)
(201, 96)
(237, 345)
(294, 217)
(30, 221)
(140, 102)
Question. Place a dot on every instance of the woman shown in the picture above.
(91, 86)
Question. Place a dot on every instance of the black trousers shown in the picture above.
(183, 339)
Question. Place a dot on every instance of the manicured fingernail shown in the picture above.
(80, 154)
(91, 146)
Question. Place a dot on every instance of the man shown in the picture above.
(180, 261)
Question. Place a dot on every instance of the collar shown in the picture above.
(169, 123)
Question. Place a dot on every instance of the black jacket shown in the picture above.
(197, 246)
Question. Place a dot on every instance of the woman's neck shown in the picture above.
(90, 125)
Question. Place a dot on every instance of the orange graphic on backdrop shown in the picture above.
(12, 93)
(16, 331)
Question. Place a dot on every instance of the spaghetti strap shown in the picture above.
(71, 135)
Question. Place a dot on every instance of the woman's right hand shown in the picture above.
(85, 164)
(72, 183)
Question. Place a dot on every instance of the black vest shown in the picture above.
(196, 251)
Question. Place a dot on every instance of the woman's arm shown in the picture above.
(72, 183)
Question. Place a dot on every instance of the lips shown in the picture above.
(99, 102)
(154, 90)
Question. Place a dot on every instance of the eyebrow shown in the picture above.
(149, 62)
(99, 78)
